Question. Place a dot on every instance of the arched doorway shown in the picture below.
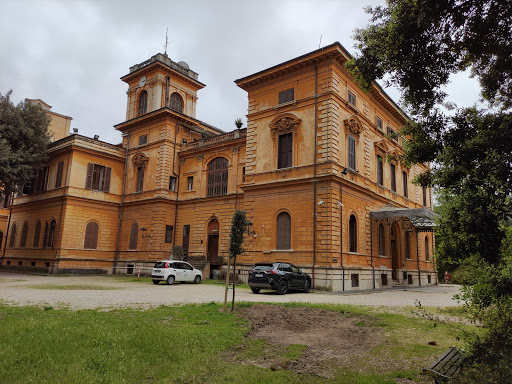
(395, 251)
(213, 241)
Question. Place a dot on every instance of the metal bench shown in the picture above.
(447, 366)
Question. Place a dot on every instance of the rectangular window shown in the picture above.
(190, 182)
(243, 174)
(380, 170)
(286, 96)
(172, 183)
(284, 151)
(392, 134)
(352, 152)
(58, 179)
(384, 278)
(351, 98)
(406, 186)
(98, 177)
(143, 139)
(185, 241)
(41, 179)
(140, 179)
(168, 234)
(379, 123)
(393, 177)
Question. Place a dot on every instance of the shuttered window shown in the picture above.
(134, 235)
(24, 233)
(352, 152)
(168, 233)
(406, 185)
(176, 102)
(143, 102)
(140, 179)
(379, 123)
(98, 177)
(393, 177)
(217, 177)
(286, 96)
(13, 236)
(284, 231)
(427, 250)
(352, 233)
(51, 234)
(37, 234)
(380, 171)
(143, 139)
(58, 179)
(351, 98)
(285, 151)
(91, 235)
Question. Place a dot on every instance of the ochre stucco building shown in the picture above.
(311, 169)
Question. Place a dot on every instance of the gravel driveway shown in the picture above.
(88, 292)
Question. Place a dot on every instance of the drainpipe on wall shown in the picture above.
(176, 207)
(418, 262)
(314, 176)
(116, 255)
(418, 254)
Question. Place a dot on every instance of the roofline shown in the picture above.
(298, 59)
(155, 113)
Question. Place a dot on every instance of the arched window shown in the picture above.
(37, 234)
(176, 102)
(218, 177)
(24, 233)
(45, 236)
(51, 235)
(284, 231)
(427, 250)
(13, 236)
(143, 102)
(382, 243)
(134, 235)
(352, 233)
(91, 235)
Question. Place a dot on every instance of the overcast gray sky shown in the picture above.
(71, 53)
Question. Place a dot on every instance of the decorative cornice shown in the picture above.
(284, 123)
(140, 160)
(354, 125)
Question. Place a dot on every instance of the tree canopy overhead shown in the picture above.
(420, 43)
(24, 139)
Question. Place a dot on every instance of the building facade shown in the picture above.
(314, 170)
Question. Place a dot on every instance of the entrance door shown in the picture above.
(213, 240)
(394, 253)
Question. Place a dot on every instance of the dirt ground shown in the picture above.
(330, 338)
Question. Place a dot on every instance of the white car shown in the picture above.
(175, 270)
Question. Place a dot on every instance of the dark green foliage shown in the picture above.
(23, 142)
(238, 227)
(420, 43)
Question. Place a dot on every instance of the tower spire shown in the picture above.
(166, 41)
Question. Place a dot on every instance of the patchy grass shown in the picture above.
(190, 344)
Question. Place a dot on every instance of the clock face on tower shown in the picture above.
(142, 81)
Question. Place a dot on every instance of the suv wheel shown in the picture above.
(197, 279)
(255, 290)
(156, 281)
(170, 280)
(307, 286)
(283, 287)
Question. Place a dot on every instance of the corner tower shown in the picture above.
(160, 82)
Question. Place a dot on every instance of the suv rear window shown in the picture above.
(262, 267)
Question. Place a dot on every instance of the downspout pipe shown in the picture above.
(418, 254)
(341, 238)
(418, 262)
(314, 174)
(371, 253)
(123, 191)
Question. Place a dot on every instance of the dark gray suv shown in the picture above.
(278, 276)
